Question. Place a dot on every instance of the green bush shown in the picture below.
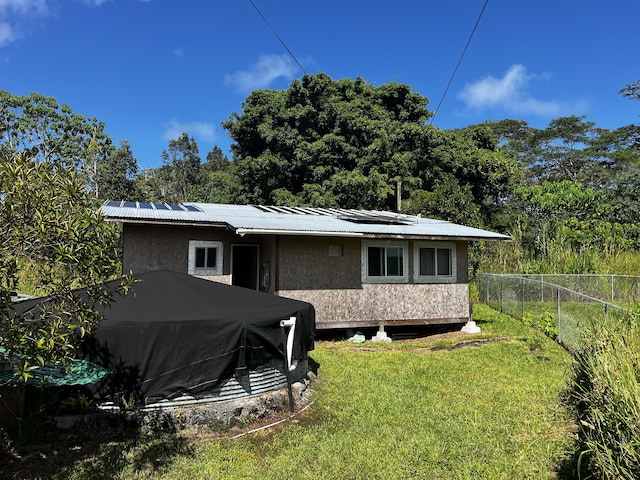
(545, 322)
(606, 395)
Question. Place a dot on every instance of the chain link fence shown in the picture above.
(564, 301)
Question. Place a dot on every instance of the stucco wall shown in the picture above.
(151, 247)
(305, 263)
(377, 304)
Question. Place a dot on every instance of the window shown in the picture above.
(205, 257)
(435, 262)
(384, 262)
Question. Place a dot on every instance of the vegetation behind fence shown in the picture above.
(563, 302)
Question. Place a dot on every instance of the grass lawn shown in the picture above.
(405, 410)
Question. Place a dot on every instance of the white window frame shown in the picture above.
(417, 278)
(404, 278)
(193, 245)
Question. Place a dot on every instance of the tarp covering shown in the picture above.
(176, 334)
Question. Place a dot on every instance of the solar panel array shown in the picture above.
(175, 207)
(355, 216)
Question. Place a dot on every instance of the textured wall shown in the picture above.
(387, 304)
(305, 263)
(154, 247)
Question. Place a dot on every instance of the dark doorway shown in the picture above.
(244, 266)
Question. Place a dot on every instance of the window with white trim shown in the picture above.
(434, 262)
(205, 257)
(384, 262)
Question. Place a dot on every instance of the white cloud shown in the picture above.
(198, 130)
(7, 34)
(19, 17)
(95, 3)
(268, 69)
(511, 93)
(23, 8)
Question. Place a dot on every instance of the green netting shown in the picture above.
(78, 372)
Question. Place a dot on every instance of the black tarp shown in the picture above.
(176, 334)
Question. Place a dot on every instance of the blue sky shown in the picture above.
(151, 69)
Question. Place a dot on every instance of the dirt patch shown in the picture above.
(467, 343)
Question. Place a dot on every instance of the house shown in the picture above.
(358, 268)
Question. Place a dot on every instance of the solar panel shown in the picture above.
(361, 217)
(129, 204)
(177, 207)
(192, 208)
(160, 206)
(145, 205)
(112, 203)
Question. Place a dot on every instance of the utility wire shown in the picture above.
(278, 37)
(459, 61)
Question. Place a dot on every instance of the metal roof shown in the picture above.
(254, 219)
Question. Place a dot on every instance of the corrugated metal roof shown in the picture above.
(249, 219)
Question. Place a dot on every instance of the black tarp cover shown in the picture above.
(176, 334)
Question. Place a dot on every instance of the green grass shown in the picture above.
(574, 316)
(395, 411)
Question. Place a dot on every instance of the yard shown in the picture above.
(443, 406)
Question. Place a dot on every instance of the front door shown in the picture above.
(244, 266)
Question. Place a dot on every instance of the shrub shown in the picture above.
(606, 395)
(545, 322)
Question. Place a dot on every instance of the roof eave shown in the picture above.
(314, 233)
(148, 221)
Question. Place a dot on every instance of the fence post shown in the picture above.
(522, 282)
(488, 280)
(612, 289)
(558, 314)
(501, 294)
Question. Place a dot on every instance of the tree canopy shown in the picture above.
(350, 144)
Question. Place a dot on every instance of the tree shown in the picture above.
(116, 175)
(46, 131)
(53, 241)
(182, 168)
(632, 91)
(561, 151)
(319, 128)
(349, 144)
(216, 183)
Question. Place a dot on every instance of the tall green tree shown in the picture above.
(317, 129)
(115, 179)
(182, 164)
(561, 153)
(216, 183)
(350, 144)
(49, 132)
(54, 241)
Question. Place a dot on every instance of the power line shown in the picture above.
(278, 37)
(459, 61)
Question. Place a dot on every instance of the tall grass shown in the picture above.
(554, 255)
(606, 394)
